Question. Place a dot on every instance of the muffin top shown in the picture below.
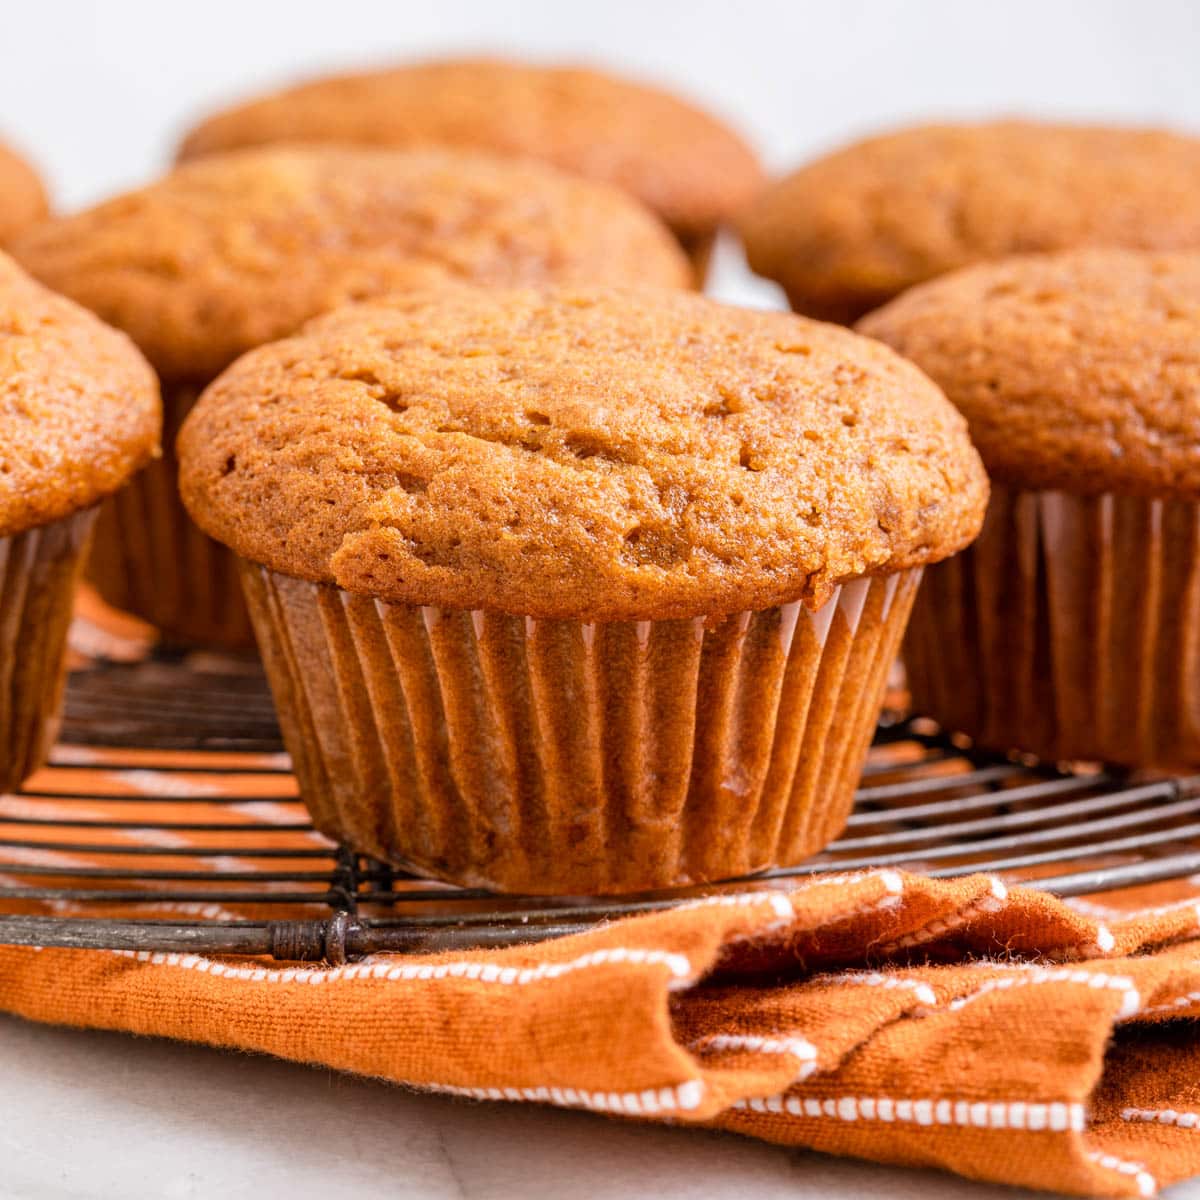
(850, 231)
(681, 162)
(589, 454)
(22, 197)
(1077, 371)
(230, 252)
(79, 410)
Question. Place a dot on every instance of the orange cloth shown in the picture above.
(998, 1033)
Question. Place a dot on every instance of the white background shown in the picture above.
(97, 94)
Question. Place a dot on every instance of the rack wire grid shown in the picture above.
(168, 820)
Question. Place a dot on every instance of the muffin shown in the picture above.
(683, 163)
(1072, 627)
(22, 197)
(851, 231)
(578, 590)
(228, 253)
(79, 415)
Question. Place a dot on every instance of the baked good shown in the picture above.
(79, 414)
(1069, 628)
(578, 589)
(233, 251)
(850, 231)
(689, 167)
(22, 195)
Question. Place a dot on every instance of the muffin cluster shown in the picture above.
(566, 579)
(683, 164)
(223, 255)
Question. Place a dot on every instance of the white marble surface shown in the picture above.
(100, 1116)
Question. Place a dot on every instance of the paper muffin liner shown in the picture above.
(1071, 629)
(149, 558)
(39, 570)
(552, 756)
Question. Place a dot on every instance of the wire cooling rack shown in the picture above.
(168, 820)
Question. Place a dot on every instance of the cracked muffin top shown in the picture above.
(231, 252)
(1078, 371)
(589, 454)
(850, 231)
(678, 160)
(79, 410)
(22, 197)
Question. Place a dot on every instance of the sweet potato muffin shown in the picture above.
(22, 196)
(681, 162)
(578, 589)
(1071, 627)
(79, 414)
(850, 231)
(225, 254)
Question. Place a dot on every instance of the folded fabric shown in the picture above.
(999, 1033)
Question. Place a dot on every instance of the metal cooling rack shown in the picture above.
(927, 803)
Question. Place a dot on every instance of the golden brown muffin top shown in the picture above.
(850, 231)
(681, 162)
(22, 196)
(231, 252)
(1078, 371)
(79, 409)
(589, 454)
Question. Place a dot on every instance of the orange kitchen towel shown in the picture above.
(998, 1033)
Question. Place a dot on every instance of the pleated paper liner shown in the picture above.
(560, 757)
(38, 573)
(150, 559)
(1071, 629)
